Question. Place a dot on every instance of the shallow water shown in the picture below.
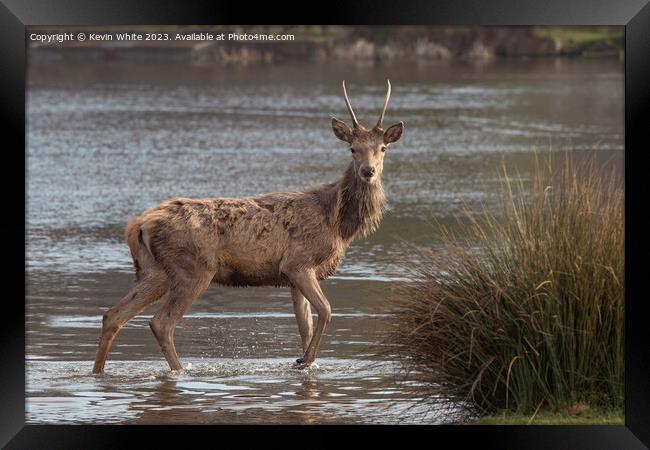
(108, 139)
(237, 348)
(223, 391)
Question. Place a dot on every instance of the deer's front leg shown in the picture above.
(302, 310)
(307, 284)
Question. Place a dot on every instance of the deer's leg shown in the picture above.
(307, 283)
(181, 296)
(302, 309)
(142, 294)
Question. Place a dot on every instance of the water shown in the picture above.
(107, 140)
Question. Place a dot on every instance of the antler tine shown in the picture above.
(347, 103)
(380, 122)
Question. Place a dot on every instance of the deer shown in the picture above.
(292, 239)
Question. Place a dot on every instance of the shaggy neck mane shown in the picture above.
(359, 205)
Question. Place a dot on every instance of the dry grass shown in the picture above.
(525, 310)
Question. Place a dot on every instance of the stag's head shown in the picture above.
(368, 146)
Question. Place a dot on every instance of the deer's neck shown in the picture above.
(359, 205)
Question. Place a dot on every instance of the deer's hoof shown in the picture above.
(300, 364)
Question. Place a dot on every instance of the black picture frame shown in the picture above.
(633, 14)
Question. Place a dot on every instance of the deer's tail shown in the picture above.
(133, 234)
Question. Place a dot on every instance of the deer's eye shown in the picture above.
(351, 150)
(383, 148)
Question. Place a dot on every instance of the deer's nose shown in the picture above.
(368, 172)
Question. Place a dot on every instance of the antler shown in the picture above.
(380, 122)
(347, 102)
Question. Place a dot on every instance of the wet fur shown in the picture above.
(253, 241)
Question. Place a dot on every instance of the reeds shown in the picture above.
(526, 309)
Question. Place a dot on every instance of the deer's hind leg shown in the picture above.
(181, 295)
(302, 310)
(145, 291)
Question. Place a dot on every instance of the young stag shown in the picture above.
(294, 239)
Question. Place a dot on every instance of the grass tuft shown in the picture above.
(523, 312)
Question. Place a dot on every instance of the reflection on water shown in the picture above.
(220, 391)
(237, 346)
(107, 140)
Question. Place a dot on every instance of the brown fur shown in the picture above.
(291, 239)
(247, 241)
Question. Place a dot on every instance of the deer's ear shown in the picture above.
(342, 130)
(393, 133)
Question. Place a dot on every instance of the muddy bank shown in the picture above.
(347, 44)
